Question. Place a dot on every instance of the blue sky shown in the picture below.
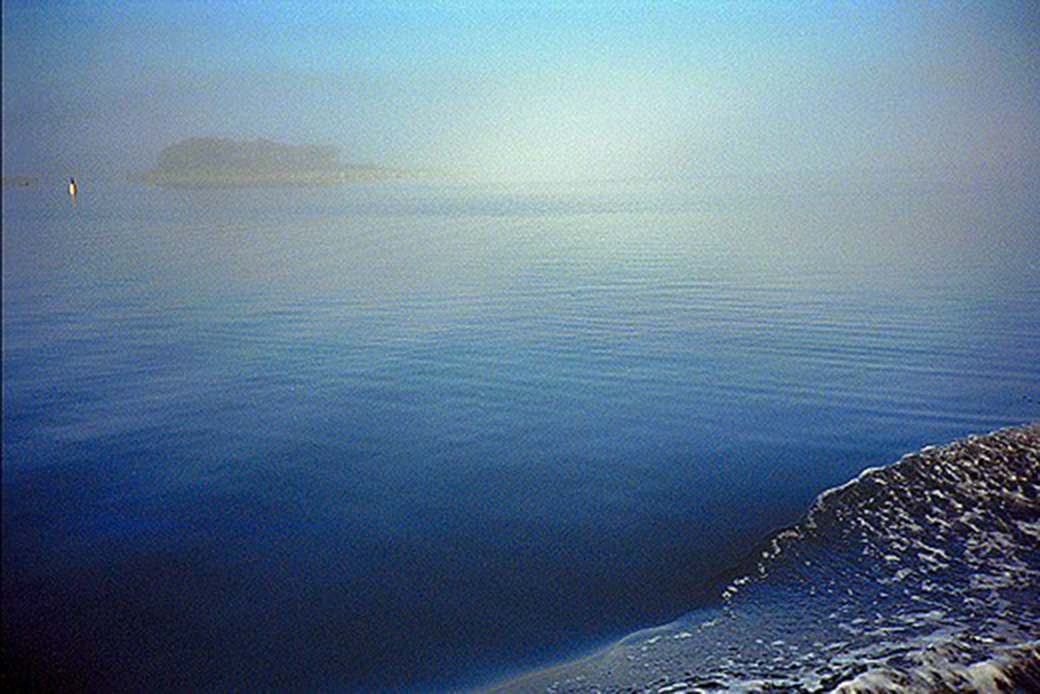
(531, 90)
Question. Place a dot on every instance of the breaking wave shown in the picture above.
(921, 576)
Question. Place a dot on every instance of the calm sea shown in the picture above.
(412, 436)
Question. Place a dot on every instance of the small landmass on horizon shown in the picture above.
(18, 181)
(213, 162)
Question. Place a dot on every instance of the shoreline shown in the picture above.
(293, 180)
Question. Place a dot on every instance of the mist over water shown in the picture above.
(651, 279)
(526, 91)
(405, 436)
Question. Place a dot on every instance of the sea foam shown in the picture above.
(921, 576)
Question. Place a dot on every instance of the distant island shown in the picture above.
(214, 162)
(18, 181)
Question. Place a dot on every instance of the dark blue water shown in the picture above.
(917, 577)
(408, 437)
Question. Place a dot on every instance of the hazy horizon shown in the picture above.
(527, 91)
(689, 266)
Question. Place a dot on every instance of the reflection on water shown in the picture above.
(403, 436)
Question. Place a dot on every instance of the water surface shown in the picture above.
(411, 436)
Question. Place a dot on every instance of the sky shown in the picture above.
(527, 90)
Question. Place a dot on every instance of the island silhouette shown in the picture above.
(215, 162)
